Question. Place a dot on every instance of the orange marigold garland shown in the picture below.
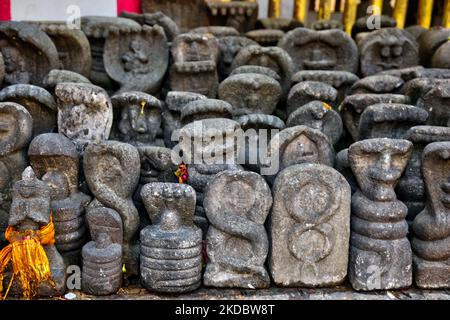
(28, 258)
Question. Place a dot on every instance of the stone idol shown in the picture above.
(236, 204)
(309, 226)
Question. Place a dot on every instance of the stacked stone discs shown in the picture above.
(171, 261)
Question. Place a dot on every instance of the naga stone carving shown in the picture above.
(57, 76)
(137, 59)
(138, 118)
(354, 105)
(28, 53)
(170, 27)
(195, 64)
(171, 248)
(390, 120)
(436, 102)
(72, 44)
(340, 80)
(97, 31)
(102, 257)
(230, 47)
(205, 109)
(187, 14)
(320, 116)
(256, 69)
(386, 49)
(321, 50)
(240, 14)
(30, 211)
(85, 111)
(378, 84)
(411, 187)
(270, 57)
(380, 253)
(431, 226)
(266, 37)
(112, 172)
(175, 103)
(39, 103)
(307, 91)
(55, 160)
(309, 227)
(16, 125)
(237, 204)
(250, 93)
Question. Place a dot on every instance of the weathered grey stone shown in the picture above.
(320, 25)
(205, 109)
(102, 257)
(441, 57)
(307, 91)
(137, 59)
(343, 166)
(271, 57)
(410, 73)
(431, 226)
(309, 227)
(169, 26)
(250, 93)
(55, 160)
(436, 102)
(321, 50)
(256, 69)
(216, 30)
(354, 105)
(240, 14)
(39, 103)
(320, 116)
(171, 248)
(28, 53)
(15, 134)
(411, 187)
(283, 24)
(380, 253)
(138, 118)
(266, 37)
(389, 120)
(30, 210)
(56, 76)
(230, 47)
(430, 43)
(195, 64)
(84, 111)
(237, 204)
(112, 171)
(416, 31)
(156, 165)
(377, 84)
(385, 49)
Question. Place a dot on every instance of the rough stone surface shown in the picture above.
(266, 37)
(307, 91)
(321, 50)
(441, 57)
(309, 227)
(205, 109)
(171, 248)
(237, 204)
(436, 102)
(56, 76)
(169, 26)
(377, 84)
(380, 253)
(230, 47)
(241, 15)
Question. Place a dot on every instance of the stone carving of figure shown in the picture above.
(135, 59)
(171, 248)
(309, 226)
(237, 204)
(380, 253)
(112, 173)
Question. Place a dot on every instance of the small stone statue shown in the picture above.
(195, 64)
(237, 204)
(112, 171)
(139, 118)
(380, 253)
(321, 50)
(54, 159)
(250, 93)
(171, 248)
(39, 103)
(320, 116)
(431, 227)
(102, 257)
(230, 47)
(16, 126)
(84, 111)
(307, 91)
(30, 212)
(386, 49)
(309, 226)
(28, 53)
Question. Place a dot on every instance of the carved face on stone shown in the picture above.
(321, 50)
(387, 49)
(378, 165)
